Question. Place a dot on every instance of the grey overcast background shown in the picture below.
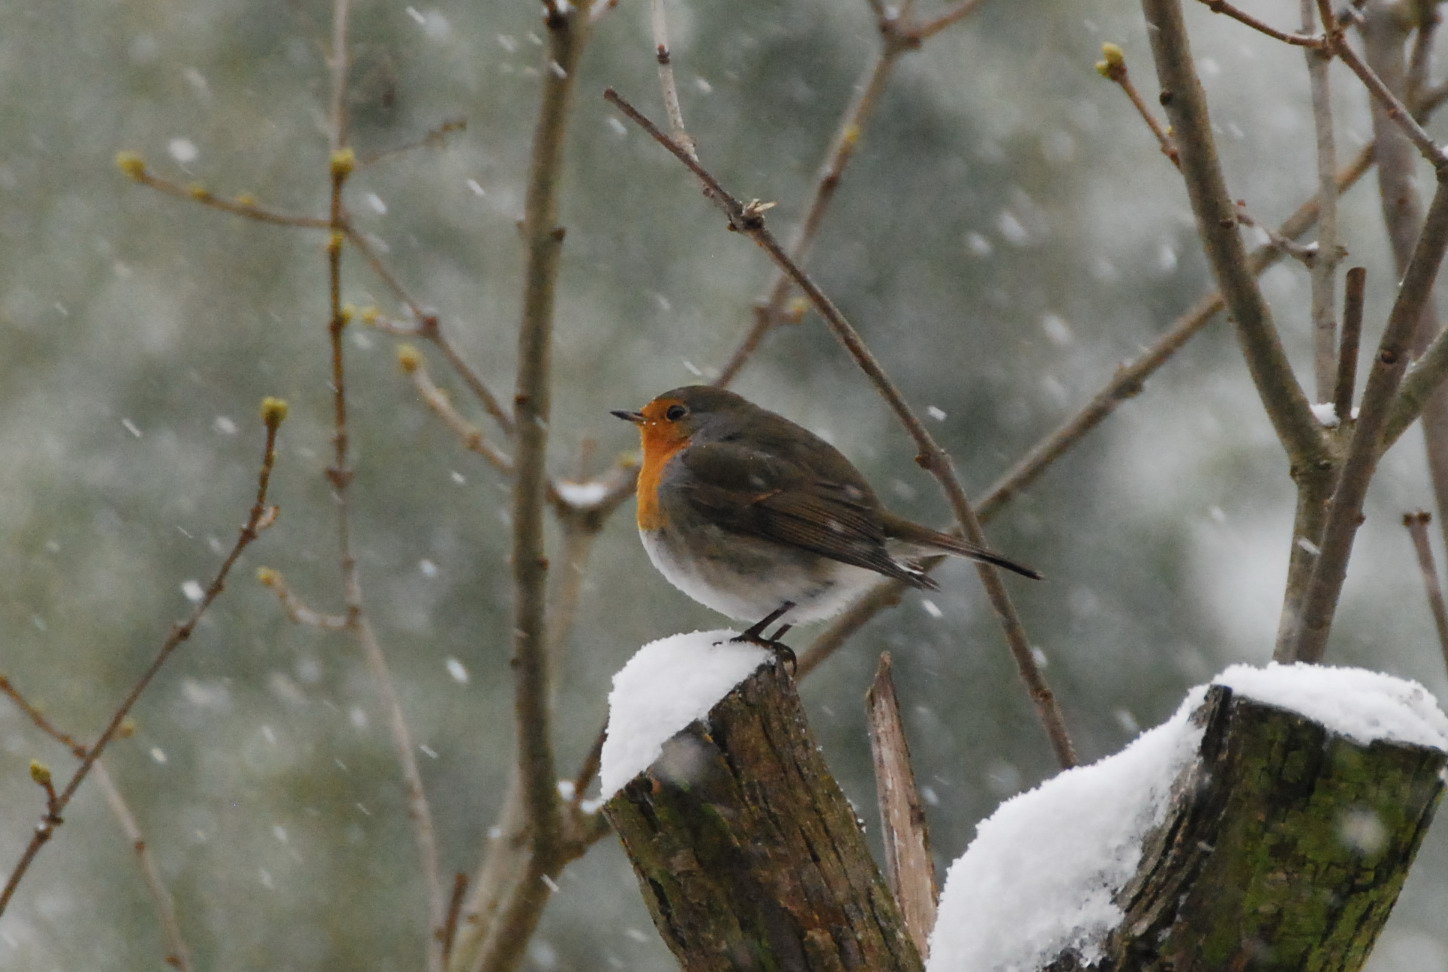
(1008, 234)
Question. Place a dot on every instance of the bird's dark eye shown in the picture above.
(675, 412)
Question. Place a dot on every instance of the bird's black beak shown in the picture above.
(637, 418)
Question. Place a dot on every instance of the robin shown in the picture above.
(757, 517)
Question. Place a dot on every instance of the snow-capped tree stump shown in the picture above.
(1284, 847)
(748, 853)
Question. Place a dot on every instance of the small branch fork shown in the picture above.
(262, 515)
(178, 953)
(900, 34)
(748, 218)
(1333, 468)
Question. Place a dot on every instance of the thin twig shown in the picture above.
(340, 475)
(297, 611)
(1394, 107)
(748, 218)
(663, 54)
(897, 37)
(435, 137)
(339, 62)
(1322, 270)
(1306, 254)
(772, 311)
(261, 516)
(437, 401)
(1422, 56)
(8, 689)
(1113, 68)
(135, 169)
(1347, 355)
(429, 328)
(1417, 526)
(178, 953)
(954, 15)
(419, 811)
(1297, 40)
(1282, 397)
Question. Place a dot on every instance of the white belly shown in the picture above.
(759, 579)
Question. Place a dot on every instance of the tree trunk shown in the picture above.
(1285, 847)
(748, 853)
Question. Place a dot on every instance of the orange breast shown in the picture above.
(658, 450)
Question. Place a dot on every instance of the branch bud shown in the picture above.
(409, 358)
(273, 411)
(131, 164)
(344, 160)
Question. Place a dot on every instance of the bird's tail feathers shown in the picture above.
(926, 539)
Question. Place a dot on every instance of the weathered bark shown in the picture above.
(909, 865)
(1285, 848)
(748, 853)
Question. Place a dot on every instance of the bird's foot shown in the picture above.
(755, 636)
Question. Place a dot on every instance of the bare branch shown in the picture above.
(952, 16)
(273, 411)
(135, 169)
(1396, 111)
(908, 865)
(1322, 271)
(749, 219)
(500, 924)
(1297, 40)
(178, 953)
(340, 474)
(543, 243)
(670, 90)
(1345, 511)
(434, 138)
(1186, 106)
(437, 401)
(1113, 68)
(297, 610)
(1304, 253)
(773, 311)
(897, 37)
(1347, 356)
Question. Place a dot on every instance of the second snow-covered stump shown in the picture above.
(1285, 846)
(1268, 825)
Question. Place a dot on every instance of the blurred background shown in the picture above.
(1008, 235)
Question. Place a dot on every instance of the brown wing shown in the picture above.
(750, 492)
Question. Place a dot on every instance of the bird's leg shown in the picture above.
(755, 635)
(756, 632)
